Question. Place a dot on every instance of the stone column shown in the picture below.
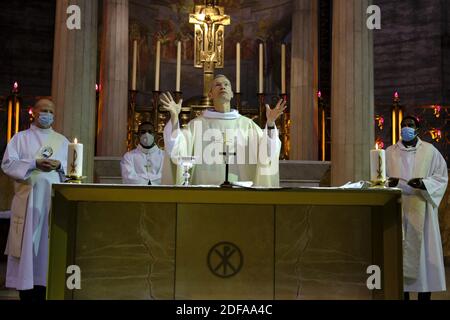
(352, 98)
(112, 117)
(74, 75)
(304, 81)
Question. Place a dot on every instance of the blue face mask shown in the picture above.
(408, 134)
(46, 119)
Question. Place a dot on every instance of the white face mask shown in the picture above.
(147, 140)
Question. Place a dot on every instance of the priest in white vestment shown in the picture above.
(418, 168)
(221, 135)
(143, 165)
(35, 159)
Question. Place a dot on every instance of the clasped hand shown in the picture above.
(48, 165)
(416, 183)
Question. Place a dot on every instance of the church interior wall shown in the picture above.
(411, 58)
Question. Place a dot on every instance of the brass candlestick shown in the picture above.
(131, 115)
(75, 179)
(156, 95)
(177, 96)
(262, 108)
(284, 130)
(237, 97)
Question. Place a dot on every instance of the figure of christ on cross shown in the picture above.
(208, 20)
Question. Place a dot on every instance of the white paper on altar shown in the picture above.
(356, 185)
(244, 184)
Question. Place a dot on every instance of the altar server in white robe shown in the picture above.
(418, 168)
(222, 130)
(144, 164)
(35, 159)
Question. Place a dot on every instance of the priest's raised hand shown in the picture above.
(272, 115)
(169, 105)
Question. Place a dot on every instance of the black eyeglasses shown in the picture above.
(145, 131)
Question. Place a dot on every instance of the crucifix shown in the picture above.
(227, 154)
(148, 167)
(210, 21)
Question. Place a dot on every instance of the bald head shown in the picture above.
(44, 105)
(43, 112)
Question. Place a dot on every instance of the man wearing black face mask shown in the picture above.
(418, 168)
(143, 165)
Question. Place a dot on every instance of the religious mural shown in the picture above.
(251, 22)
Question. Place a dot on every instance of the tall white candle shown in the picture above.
(283, 69)
(261, 68)
(75, 160)
(377, 165)
(238, 67)
(178, 84)
(134, 69)
(158, 65)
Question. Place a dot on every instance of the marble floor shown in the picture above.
(6, 294)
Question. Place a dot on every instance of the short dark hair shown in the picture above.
(416, 121)
(146, 123)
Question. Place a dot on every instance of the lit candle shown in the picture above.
(17, 116)
(158, 65)
(261, 68)
(283, 69)
(178, 84)
(75, 160)
(10, 120)
(238, 67)
(378, 165)
(134, 70)
(396, 96)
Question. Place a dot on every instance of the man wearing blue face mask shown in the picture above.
(35, 158)
(418, 168)
(143, 165)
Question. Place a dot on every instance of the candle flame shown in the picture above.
(319, 94)
(75, 141)
(376, 146)
(15, 87)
